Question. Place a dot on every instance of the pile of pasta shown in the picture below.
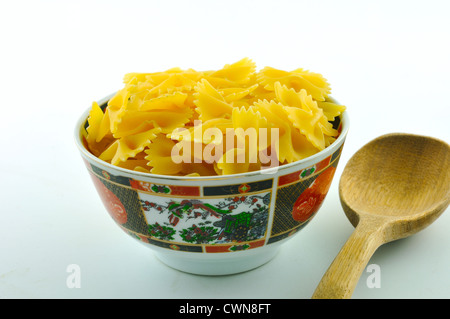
(138, 128)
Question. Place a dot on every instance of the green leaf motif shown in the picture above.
(161, 232)
(199, 235)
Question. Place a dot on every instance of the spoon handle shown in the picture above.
(341, 278)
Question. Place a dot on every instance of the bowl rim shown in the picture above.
(268, 171)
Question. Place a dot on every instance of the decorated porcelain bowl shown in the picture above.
(214, 225)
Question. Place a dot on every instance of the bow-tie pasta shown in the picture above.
(227, 121)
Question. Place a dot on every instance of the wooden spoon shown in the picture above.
(393, 187)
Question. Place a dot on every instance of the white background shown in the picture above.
(387, 61)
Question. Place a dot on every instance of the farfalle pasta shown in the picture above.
(227, 121)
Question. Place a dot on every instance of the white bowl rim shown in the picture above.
(273, 170)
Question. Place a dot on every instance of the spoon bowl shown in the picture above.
(393, 187)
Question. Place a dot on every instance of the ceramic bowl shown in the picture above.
(214, 225)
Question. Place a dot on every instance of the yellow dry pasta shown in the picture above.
(210, 103)
(305, 115)
(231, 120)
(159, 157)
(314, 83)
(292, 145)
(127, 147)
(95, 121)
(233, 75)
